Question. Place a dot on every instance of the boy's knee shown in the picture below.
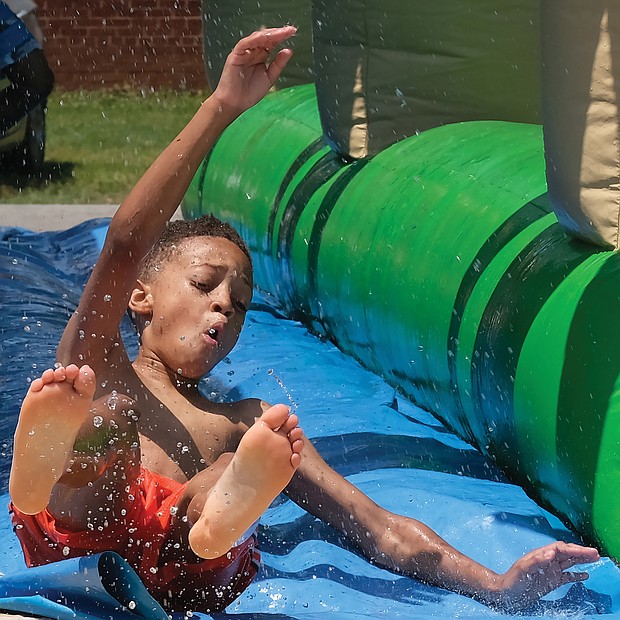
(223, 461)
(204, 480)
(113, 426)
(200, 485)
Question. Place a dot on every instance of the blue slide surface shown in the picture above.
(396, 453)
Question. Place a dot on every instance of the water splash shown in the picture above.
(272, 373)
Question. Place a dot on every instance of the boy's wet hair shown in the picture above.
(177, 231)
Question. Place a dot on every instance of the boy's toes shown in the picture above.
(296, 434)
(289, 424)
(71, 372)
(60, 374)
(47, 377)
(275, 416)
(297, 446)
(36, 385)
(295, 460)
(85, 382)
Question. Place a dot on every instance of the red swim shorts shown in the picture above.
(205, 585)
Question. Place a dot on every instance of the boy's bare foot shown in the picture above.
(55, 408)
(262, 466)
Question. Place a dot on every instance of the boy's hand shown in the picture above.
(247, 76)
(541, 571)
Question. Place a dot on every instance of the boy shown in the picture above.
(189, 291)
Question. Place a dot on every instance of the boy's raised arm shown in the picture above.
(247, 76)
(407, 546)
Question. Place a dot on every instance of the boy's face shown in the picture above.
(198, 302)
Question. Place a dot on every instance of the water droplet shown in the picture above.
(131, 604)
(26, 328)
(98, 421)
(107, 298)
(271, 373)
(66, 551)
(113, 400)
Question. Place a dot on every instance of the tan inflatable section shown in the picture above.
(386, 70)
(226, 21)
(581, 78)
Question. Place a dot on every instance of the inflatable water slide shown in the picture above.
(436, 190)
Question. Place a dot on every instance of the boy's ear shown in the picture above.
(141, 300)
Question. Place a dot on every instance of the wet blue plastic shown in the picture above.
(396, 453)
(102, 587)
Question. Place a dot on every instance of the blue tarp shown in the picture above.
(99, 587)
(396, 453)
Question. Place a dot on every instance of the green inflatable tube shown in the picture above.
(439, 265)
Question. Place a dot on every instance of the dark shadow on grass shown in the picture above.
(51, 173)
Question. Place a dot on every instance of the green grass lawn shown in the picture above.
(98, 145)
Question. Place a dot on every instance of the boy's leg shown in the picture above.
(72, 454)
(264, 463)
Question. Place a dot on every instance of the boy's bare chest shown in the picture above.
(184, 440)
(178, 437)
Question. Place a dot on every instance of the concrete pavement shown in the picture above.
(54, 217)
(51, 217)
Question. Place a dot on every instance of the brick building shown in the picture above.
(94, 44)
